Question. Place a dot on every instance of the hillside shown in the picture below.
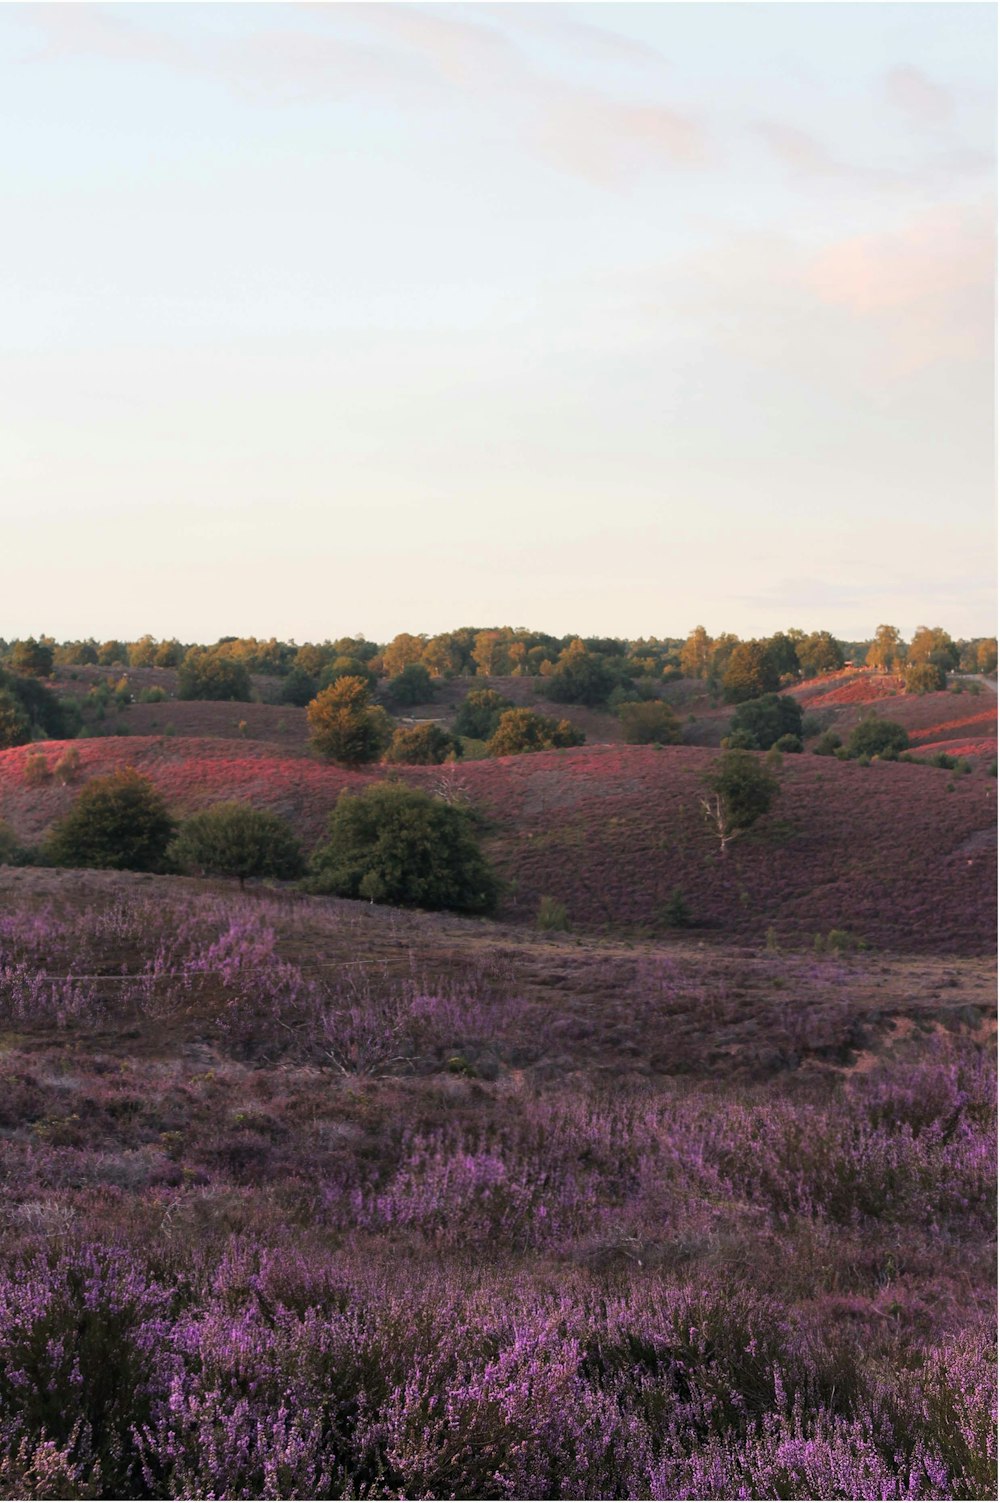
(900, 856)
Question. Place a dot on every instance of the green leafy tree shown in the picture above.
(207, 673)
(649, 722)
(235, 840)
(740, 790)
(479, 714)
(345, 726)
(819, 652)
(47, 716)
(298, 687)
(422, 746)
(887, 651)
(761, 722)
(395, 844)
(15, 722)
(345, 667)
(169, 654)
(525, 731)
(581, 677)
(782, 649)
(932, 644)
(750, 672)
(876, 737)
(119, 821)
(411, 687)
(142, 653)
(32, 658)
(924, 678)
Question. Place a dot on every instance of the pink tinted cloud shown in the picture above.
(916, 95)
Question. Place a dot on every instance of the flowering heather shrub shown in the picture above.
(260, 1240)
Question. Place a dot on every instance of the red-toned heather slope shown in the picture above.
(900, 855)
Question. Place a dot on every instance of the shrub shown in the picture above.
(413, 686)
(479, 714)
(12, 852)
(423, 745)
(788, 743)
(67, 766)
(36, 769)
(154, 696)
(551, 915)
(875, 737)
(765, 720)
(827, 745)
(207, 673)
(526, 731)
(235, 840)
(676, 912)
(649, 722)
(394, 844)
(740, 791)
(119, 821)
(346, 727)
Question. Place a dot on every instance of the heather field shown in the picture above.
(897, 855)
(306, 1198)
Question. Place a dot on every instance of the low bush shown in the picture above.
(422, 746)
(876, 737)
(119, 821)
(551, 915)
(649, 722)
(236, 840)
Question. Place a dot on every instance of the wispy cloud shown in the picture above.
(406, 56)
(917, 96)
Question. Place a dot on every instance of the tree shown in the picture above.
(346, 727)
(423, 746)
(875, 737)
(524, 731)
(782, 649)
(750, 672)
(649, 722)
(32, 658)
(581, 677)
(207, 673)
(887, 650)
(298, 687)
(932, 644)
(479, 714)
(344, 667)
(395, 844)
(696, 654)
(401, 652)
(411, 687)
(235, 840)
(112, 654)
(924, 678)
(169, 654)
(986, 655)
(15, 722)
(819, 653)
(761, 722)
(119, 821)
(46, 715)
(740, 791)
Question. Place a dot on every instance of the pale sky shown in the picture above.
(609, 318)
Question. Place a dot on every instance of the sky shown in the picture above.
(616, 319)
